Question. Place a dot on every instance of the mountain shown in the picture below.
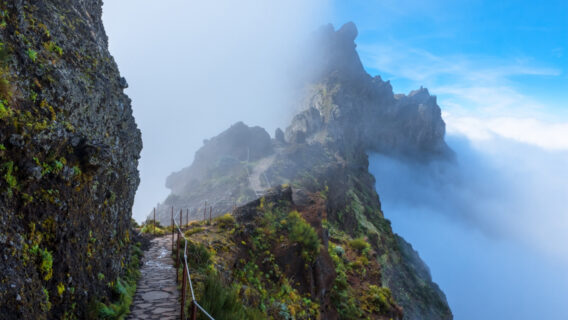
(69, 149)
(318, 168)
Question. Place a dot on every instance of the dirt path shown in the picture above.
(156, 294)
(257, 177)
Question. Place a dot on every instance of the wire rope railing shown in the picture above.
(186, 275)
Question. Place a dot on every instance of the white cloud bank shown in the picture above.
(511, 176)
(546, 135)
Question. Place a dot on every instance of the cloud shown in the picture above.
(466, 85)
(510, 180)
(421, 65)
(197, 67)
(504, 188)
(546, 135)
(478, 94)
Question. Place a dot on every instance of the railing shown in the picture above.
(186, 276)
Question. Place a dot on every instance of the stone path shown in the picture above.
(157, 294)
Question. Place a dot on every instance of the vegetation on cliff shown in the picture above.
(270, 262)
(68, 155)
(356, 267)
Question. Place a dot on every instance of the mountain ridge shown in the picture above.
(345, 113)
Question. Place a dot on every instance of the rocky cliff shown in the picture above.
(322, 155)
(69, 150)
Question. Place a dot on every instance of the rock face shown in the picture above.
(323, 154)
(69, 150)
(236, 144)
(219, 175)
(344, 103)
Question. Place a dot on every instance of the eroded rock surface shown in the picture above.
(69, 149)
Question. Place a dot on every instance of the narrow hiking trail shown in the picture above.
(257, 178)
(157, 294)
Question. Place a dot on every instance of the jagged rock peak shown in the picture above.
(334, 51)
(345, 104)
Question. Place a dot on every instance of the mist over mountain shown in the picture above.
(490, 223)
(316, 191)
(322, 154)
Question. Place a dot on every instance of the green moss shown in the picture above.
(76, 171)
(9, 169)
(45, 261)
(5, 112)
(60, 289)
(32, 54)
(45, 305)
(52, 47)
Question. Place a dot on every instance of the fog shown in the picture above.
(196, 67)
(491, 226)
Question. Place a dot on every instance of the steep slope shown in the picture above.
(345, 113)
(69, 150)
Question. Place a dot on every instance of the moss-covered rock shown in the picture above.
(69, 149)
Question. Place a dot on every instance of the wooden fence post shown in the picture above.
(193, 311)
(210, 210)
(154, 220)
(172, 226)
(177, 256)
(183, 289)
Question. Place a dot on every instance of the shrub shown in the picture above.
(304, 235)
(148, 228)
(221, 302)
(359, 244)
(123, 290)
(197, 255)
(226, 221)
(339, 251)
(193, 231)
(379, 299)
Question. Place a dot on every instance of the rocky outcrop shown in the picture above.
(236, 144)
(323, 153)
(346, 105)
(220, 175)
(69, 150)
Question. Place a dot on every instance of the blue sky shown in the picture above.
(515, 52)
